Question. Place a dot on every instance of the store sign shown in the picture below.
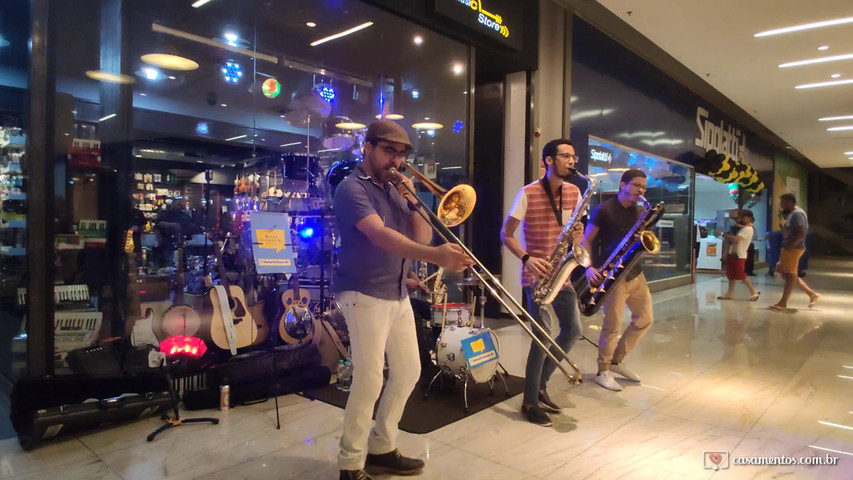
(499, 19)
(600, 156)
(725, 139)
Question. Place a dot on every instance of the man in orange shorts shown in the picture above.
(793, 245)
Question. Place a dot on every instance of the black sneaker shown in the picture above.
(536, 415)
(355, 475)
(394, 463)
(546, 403)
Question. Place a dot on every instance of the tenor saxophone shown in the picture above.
(638, 241)
(564, 260)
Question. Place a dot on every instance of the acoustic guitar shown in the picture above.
(231, 324)
(296, 324)
(180, 319)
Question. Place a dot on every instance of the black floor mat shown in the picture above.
(444, 406)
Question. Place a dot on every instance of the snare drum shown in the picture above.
(451, 356)
(457, 314)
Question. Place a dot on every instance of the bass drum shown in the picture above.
(338, 172)
(335, 138)
(451, 356)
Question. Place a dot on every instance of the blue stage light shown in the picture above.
(306, 233)
(457, 126)
(325, 91)
(232, 71)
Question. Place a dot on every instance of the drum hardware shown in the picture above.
(455, 206)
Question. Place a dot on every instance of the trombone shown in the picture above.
(454, 207)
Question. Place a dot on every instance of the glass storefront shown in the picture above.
(669, 182)
(177, 123)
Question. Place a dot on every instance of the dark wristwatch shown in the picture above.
(525, 258)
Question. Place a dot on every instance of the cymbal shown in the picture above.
(471, 281)
(304, 106)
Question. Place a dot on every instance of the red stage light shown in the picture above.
(183, 345)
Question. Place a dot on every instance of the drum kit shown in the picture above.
(465, 349)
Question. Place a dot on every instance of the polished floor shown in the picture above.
(730, 377)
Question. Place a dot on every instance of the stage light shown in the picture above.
(416, 94)
(232, 71)
(457, 126)
(150, 73)
(232, 38)
(271, 88)
(306, 233)
(325, 91)
(202, 128)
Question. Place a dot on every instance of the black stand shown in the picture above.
(177, 421)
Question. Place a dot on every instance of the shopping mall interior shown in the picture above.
(178, 219)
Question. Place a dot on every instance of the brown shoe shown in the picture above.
(355, 475)
(394, 463)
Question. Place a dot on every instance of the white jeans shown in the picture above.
(377, 327)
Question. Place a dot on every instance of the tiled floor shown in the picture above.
(722, 376)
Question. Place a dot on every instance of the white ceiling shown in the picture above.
(715, 40)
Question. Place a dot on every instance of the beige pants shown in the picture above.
(635, 293)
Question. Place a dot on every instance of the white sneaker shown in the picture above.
(606, 380)
(626, 372)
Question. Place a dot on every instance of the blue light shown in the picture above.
(457, 126)
(306, 233)
(416, 94)
(202, 128)
(232, 71)
(327, 92)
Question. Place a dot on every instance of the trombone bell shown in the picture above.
(456, 204)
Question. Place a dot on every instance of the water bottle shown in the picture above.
(347, 380)
(339, 378)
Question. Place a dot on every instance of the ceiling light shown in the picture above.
(107, 77)
(617, 169)
(310, 24)
(830, 119)
(290, 144)
(427, 126)
(232, 38)
(836, 75)
(415, 94)
(150, 73)
(457, 68)
(838, 129)
(825, 84)
(419, 40)
(223, 104)
(823, 47)
(142, 94)
(199, 3)
(806, 26)
(350, 126)
(834, 58)
(172, 77)
(236, 138)
(848, 153)
(341, 34)
(391, 116)
(107, 117)
(169, 62)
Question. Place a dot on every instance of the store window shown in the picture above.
(182, 120)
(14, 123)
(669, 182)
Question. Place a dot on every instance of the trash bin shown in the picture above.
(774, 248)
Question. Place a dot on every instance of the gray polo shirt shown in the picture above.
(797, 218)
(364, 267)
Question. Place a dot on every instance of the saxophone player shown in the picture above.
(609, 223)
(542, 208)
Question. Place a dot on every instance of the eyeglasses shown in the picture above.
(638, 186)
(567, 156)
(393, 152)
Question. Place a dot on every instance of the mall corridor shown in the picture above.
(731, 377)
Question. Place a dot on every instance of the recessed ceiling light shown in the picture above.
(457, 68)
(823, 47)
(310, 24)
(199, 3)
(235, 138)
(341, 34)
(232, 38)
(107, 117)
(824, 84)
(830, 119)
(839, 129)
(108, 77)
(169, 62)
(805, 26)
(150, 73)
(834, 58)
(172, 77)
(142, 94)
(418, 40)
(836, 75)
(223, 104)
(282, 115)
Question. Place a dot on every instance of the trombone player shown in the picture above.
(379, 234)
(542, 208)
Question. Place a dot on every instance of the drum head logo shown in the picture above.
(479, 349)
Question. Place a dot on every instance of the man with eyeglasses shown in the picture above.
(379, 234)
(609, 223)
(542, 208)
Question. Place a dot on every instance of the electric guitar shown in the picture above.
(296, 324)
(231, 324)
(180, 319)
